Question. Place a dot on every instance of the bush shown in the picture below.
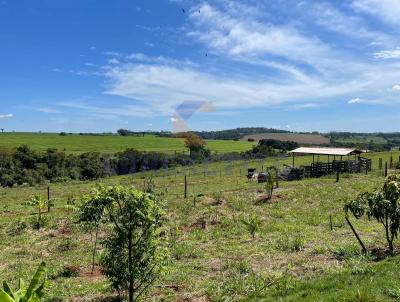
(382, 205)
(134, 255)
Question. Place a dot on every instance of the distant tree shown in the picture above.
(2, 130)
(123, 132)
(195, 145)
(63, 133)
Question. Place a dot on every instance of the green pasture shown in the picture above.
(111, 143)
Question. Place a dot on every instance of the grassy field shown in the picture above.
(111, 144)
(362, 139)
(294, 257)
(309, 139)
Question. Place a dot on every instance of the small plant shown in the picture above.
(252, 223)
(39, 203)
(382, 205)
(34, 292)
(134, 254)
(291, 242)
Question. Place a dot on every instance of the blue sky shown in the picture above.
(94, 66)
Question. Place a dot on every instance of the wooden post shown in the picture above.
(391, 161)
(330, 221)
(48, 199)
(386, 169)
(337, 176)
(293, 160)
(364, 250)
(185, 196)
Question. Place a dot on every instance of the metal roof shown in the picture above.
(326, 151)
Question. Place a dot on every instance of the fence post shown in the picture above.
(185, 188)
(337, 176)
(391, 162)
(364, 250)
(386, 169)
(380, 163)
(330, 221)
(48, 199)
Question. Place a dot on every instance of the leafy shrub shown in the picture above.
(252, 223)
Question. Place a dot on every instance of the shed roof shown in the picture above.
(326, 151)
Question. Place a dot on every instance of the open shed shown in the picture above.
(338, 160)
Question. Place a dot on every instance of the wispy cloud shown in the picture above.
(366, 101)
(107, 111)
(4, 116)
(386, 10)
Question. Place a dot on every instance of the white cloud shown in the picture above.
(388, 54)
(386, 10)
(366, 101)
(396, 87)
(113, 61)
(4, 116)
(355, 101)
(162, 87)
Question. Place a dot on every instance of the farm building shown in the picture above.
(340, 160)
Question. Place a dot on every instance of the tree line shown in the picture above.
(229, 134)
(24, 166)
